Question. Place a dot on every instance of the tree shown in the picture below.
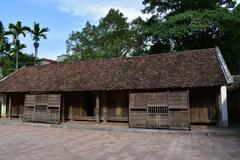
(9, 65)
(9, 60)
(4, 44)
(139, 38)
(16, 30)
(193, 24)
(113, 37)
(83, 44)
(165, 8)
(38, 33)
(17, 49)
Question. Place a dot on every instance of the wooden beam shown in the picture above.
(9, 107)
(97, 109)
(71, 112)
(104, 108)
(63, 109)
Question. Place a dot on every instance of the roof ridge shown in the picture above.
(121, 58)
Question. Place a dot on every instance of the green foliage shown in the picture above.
(17, 49)
(12, 53)
(4, 44)
(139, 38)
(9, 62)
(194, 29)
(113, 37)
(17, 29)
(72, 58)
(38, 32)
(173, 7)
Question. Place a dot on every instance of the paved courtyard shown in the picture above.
(38, 143)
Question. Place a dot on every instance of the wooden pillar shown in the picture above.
(63, 109)
(223, 107)
(97, 109)
(3, 107)
(104, 108)
(9, 107)
(71, 112)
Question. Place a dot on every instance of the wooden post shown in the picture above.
(71, 112)
(63, 106)
(223, 107)
(189, 111)
(9, 107)
(97, 109)
(3, 107)
(104, 108)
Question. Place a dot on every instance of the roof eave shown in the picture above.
(1, 80)
(225, 70)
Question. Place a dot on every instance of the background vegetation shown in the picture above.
(173, 26)
(11, 49)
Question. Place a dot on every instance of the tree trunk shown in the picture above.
(36, 53)
(35, 45)
(15, 41)
(16, 61)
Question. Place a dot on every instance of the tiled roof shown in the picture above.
(197, 68)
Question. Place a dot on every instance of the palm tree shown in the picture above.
(38, 33)
(17, 50)
(4, 45)
(16, 30)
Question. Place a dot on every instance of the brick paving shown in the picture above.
(38, 143)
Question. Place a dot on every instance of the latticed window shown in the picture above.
(157, 110)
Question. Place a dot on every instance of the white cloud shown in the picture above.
(95, 9)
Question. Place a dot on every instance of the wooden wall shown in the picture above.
(234, 107)
(17, 101)
(117, 106)
(42, 108)
(159, 110)
(81, 105)
(77, 105)
(204, 105)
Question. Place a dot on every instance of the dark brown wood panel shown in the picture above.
(42, 108)
(203, 105)
(160, 110)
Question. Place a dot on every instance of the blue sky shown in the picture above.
(62, 17)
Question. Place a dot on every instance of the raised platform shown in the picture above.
(206, 130)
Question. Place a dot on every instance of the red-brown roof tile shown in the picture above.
(197, 68)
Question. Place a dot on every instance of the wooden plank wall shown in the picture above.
(159, 110)
(17, 104)
(76, 106)
(117, 106)
(81, 105)
(204, 105)
(42, 108)
(234, 107)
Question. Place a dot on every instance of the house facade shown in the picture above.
(169, 90)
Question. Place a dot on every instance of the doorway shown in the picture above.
(89, 103)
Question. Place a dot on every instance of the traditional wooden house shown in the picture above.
(168, 90)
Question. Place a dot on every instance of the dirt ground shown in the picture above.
(38, 143)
